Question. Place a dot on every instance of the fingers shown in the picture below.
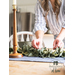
(36, 43)
(39, 45)
(57, 43)
(54, 44)
(61, 45)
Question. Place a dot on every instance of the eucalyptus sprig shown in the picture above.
(26, 50)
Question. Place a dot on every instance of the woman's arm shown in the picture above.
(58, 41)
(39, 34)
(37, 43)
(61, 35)
(39, 27)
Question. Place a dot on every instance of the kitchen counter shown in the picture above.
(34, 68)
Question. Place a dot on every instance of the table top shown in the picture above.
(35, 68)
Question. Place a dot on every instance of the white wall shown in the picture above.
(28, 6)
(25, 5)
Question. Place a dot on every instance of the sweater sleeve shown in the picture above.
(40, 23)
(63, 13)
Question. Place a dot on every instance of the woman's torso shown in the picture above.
(55, 26)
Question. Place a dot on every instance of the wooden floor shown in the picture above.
(33, 68)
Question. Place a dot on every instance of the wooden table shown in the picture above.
(34, 68)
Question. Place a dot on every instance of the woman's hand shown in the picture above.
(57, 43)
(37, 43)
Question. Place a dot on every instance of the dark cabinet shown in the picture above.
(24, 22)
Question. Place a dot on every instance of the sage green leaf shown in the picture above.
(63, 54)
(51, 51)
(57, 49)
(45, 52)
(60, 54)
(30, 54)
(56, 55)
(31, 48)
(11, 53)
(10, 49)
(48, 55)
(19, 50)
(26, 53)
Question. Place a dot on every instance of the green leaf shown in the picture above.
(10, 49)
(43, 52)
(30, 54)
(56, 55)
(31, 48)
(26, 53)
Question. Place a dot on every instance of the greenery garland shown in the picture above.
(26, 50)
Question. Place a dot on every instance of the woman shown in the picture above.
(55, 19)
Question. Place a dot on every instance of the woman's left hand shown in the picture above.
(57, 43)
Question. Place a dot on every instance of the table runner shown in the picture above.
(39, 59)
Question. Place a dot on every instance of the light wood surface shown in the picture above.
(33, 68)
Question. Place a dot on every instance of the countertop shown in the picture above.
(34, 68)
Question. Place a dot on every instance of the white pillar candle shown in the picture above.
(14, 2)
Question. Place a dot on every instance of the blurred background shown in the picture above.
(25, 20)
(24, 15)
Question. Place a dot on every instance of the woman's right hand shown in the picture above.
(37, 43)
